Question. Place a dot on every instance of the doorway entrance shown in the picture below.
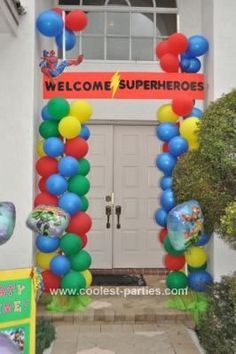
(124, 192)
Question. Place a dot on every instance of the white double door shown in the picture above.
(124, 181)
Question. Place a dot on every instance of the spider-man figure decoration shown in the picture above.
(52, 68)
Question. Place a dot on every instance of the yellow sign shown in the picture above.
(18, 308)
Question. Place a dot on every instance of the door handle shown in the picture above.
(108, 214)
(118, 214)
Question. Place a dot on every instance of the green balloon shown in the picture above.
(176, 280)
(58, 108)
(193, 269)
(85, 204)
(70, 244)
(80, 261)
(84, 167)
(48, 129)
(169, 249)
(79, 185)
(73, 281)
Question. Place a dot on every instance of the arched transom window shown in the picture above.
(123, 29)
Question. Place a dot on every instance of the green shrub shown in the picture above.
(228, 225)
(209, 173)
(217, 327)
(45, 335)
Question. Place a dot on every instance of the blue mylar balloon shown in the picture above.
(198, 45)
(70, 202)
(194, 66)
(168, 200)
(56, 184)
(85, 132)
(166, 182)
(167, 131)
(49, 23)
(166, 163)
(203, 240)
(196, 112)
(70, 40)
(161, 217)
(60, 265)
(178, 146)
(68, 166)
(47, 244)
(53, 147)
(45, 115)
(199, 280)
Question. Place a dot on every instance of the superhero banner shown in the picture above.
(124, 85)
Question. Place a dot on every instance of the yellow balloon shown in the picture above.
(189, 129)
(196, 256)
(88, 277)
(165, 114)
(40, 150)
(69, 127)
(193, 146)
(82, 110)
(43, 259)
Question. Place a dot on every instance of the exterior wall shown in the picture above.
(219, 28)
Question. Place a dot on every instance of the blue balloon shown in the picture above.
(85, 132)
(167, 131)
(56, 184)
(186, 55)
(68, 166)
(60, 265)
(161, 217)
(166, 163)
(184, 64)
(196, 112)
(178, 146)
(166, 182)
(49, 23)
(53, 147)
(199, 280)
(70, 40)
(168, 200)
(203, 240)
(45, 115)
(47, 244)
(70, 202)
(194, 66)
(198, 45)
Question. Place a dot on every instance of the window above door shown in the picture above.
(126, 30)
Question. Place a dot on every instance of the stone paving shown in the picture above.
(123, 339)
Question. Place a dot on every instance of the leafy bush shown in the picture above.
(217, 327)
(45, 335)
(228, 225)
(209, 173)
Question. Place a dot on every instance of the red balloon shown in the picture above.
(42, 184)
(174, 262)
(45, 198)
(165, 147)
(76, 147)
(178, 43)
(50, 281)
(162, 48)
(182, 105)
(76, 20)
(58, 10)
(162, 235)
(80, 223)
(46, 166)
(84, 240)
(169, 63)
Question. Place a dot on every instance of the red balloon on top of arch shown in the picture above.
(76, 20)
(177, 43)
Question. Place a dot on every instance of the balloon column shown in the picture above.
(50, 24)
(177, 129)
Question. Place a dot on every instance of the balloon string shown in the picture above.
(64, 36)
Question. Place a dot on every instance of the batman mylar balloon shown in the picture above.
(7, 221)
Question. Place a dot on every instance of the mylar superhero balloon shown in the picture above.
(7, 346)
(7, 221)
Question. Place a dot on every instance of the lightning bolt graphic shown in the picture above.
(115, 81)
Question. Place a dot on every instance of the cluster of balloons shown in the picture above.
(50, 24)
(179, 52)
(63, 168)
